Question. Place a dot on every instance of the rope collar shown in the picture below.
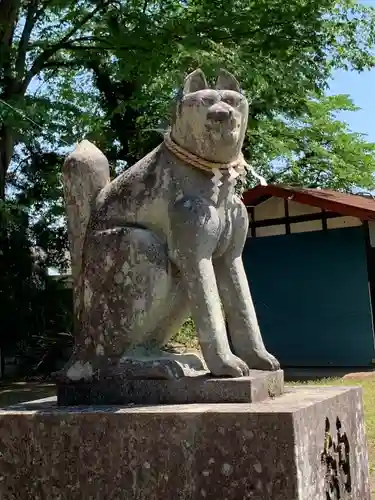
(236, 168)
(197, 162)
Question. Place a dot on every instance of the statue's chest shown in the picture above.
(223, 194)
(225, 212)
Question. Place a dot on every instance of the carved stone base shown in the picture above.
(119, 389)
(308, 444)
(141, 363)
(161, 365)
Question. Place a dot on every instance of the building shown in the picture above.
(310, 261)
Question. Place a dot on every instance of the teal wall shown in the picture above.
(311, 295)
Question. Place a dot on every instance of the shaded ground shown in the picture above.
(16, 392)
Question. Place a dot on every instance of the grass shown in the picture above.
(186, 336)
(16, 392)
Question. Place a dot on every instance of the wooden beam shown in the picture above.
(287, 219)
(295, 218)
(324, 220)
(349, 205)
(252, 223)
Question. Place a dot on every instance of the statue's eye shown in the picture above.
(209, 101)
(232, 101)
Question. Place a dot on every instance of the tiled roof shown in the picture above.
(355, 205)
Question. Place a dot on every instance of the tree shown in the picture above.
(108, 69)
(32, 34)
(315, 149)
(282, 54)
(111, 67)
(31, 302)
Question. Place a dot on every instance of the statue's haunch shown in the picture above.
(162, 241)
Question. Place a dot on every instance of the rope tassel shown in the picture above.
(249, 168)
(217, 183)
(237, 169)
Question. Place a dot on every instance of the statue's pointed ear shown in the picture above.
(194, 82)
(226, 81)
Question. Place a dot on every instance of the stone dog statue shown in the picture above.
(164, 240)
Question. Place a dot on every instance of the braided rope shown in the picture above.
(201, 163)
(240, 165)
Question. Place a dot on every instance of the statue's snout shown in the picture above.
(220, 112)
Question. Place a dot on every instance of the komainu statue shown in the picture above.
(163, 241)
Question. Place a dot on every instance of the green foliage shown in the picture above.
(282, 54)
(315, 149)
(187, 335)
(32, 303)
(107, 70)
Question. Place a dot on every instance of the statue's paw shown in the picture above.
(75, 371)
(228, 366)
(59, 376)
(262, 360)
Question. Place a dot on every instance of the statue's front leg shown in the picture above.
(194, 236)
(243, 327)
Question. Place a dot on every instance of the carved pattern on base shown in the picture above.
(336, 460)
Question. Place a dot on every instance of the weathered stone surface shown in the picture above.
(273, 450)
(165, 365)
(87, 163)
(164, 239)
(200, 389)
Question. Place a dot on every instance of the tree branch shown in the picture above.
(66, 45)
(49, 52)
(43, 8)
(8, 15)
(31, 18)
(9, 11)
(55, 64)
(103, 47)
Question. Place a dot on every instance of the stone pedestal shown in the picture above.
(119, 390)
(302, 445)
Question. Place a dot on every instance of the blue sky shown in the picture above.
(361, 88)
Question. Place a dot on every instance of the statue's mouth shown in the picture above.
(227, 126)
(226, 130)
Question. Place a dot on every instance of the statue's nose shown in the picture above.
(219, 114)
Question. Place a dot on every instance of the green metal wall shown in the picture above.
(311, 296)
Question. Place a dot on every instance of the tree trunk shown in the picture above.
(2, 180)
(6, 153)
(2, 363)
